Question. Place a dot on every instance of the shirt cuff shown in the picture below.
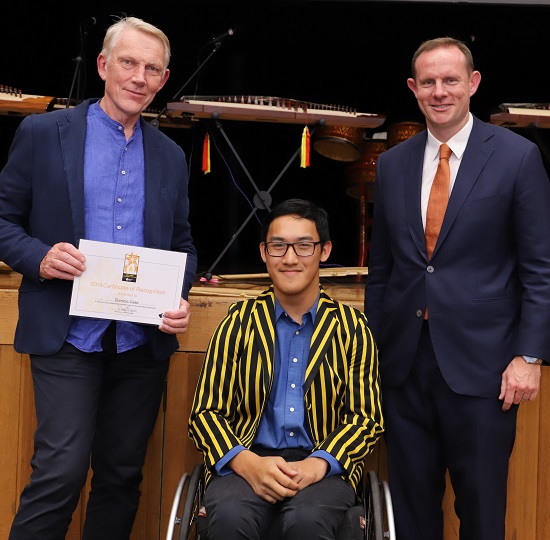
(221, 466)
(334, 466)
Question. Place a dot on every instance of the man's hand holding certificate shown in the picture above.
(129, 283)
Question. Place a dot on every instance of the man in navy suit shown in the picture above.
(99, 172)
(461, 333)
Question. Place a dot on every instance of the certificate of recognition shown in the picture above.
(127, 283)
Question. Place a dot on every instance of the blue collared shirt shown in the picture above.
(114, 202)
(283, 423)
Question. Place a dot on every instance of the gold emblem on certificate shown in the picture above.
(130, 272)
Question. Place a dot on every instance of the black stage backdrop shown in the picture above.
(347, 53)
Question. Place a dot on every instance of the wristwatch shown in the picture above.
(532, 360)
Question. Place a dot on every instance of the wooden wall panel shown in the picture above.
(543, 462)
(521, 512)
(180, 454)
(10, 377)
(450, 521)
(8, 314)
(27, 425)
(170, 451)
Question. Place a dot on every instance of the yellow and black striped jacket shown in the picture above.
(341, 390)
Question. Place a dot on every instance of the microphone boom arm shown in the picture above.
(155, 122)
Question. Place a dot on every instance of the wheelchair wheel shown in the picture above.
(389, 524)
(174, 519)
(372, 504)
(189, 526)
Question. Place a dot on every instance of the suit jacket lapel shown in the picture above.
(263, 325)
(264, 330)
(72, 134)
(475, 157)
(325, 325)
(153, 174)
(413, 188)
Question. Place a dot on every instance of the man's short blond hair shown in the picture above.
(116, 29)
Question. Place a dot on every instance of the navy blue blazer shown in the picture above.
(487, 285)
(42, 203)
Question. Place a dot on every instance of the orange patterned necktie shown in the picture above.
(439, 197)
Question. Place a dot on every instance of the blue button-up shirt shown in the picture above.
(114, 202)
(283, 423)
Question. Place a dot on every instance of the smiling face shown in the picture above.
(295, 279)
(133, 73)
(443, 86)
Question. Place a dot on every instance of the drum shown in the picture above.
(342, 143)
(361, 175)
(401, 131)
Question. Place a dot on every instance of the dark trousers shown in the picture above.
(235, 512)
(429, 428)
(102, 405)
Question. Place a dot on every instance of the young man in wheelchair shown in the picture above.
(288, 402)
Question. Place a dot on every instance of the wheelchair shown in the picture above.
(370, 519)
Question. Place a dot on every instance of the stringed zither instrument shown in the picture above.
(271, 109)
(13, 101)
(521, 115)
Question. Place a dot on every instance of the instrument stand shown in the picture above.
(262, 199)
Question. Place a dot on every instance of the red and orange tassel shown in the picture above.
(206, 154)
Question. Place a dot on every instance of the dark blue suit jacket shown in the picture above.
(487, 285)
(42, 203)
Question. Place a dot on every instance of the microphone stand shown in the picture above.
(76, 75)
(155, 122)
(79, 62)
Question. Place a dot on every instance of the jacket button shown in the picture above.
(419, 313)
(430, 269)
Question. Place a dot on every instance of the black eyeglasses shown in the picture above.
(279, 249)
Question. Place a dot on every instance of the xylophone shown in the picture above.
(271, 109)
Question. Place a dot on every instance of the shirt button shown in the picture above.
(297, 332)
(291, 409)
(430, 269)
(120, 128)
(419, 313)
(119, 199)
(295, 360)
(292, 385)
(291, 433)
(123, 172)
(119, 227)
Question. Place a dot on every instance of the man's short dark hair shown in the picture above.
(304, 209)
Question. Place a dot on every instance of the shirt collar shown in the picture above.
(96, 110)
(279, 311)
(457, 143)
